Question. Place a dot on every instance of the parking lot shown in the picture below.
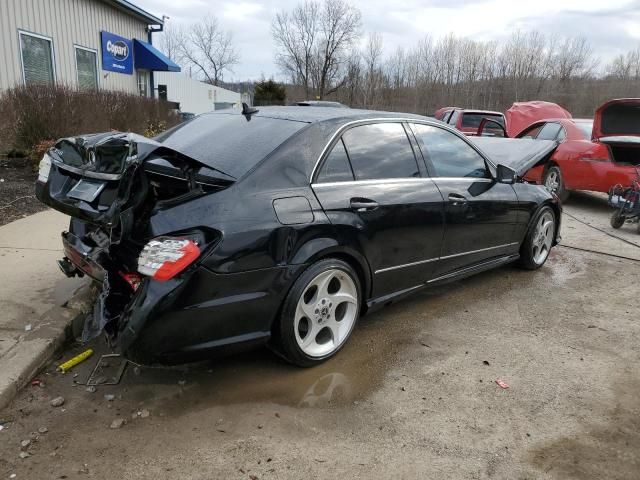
(412, 395)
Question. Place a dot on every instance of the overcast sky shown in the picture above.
(611, 26)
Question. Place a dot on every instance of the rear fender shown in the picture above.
(324, 247)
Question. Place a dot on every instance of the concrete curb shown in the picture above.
(34, 350)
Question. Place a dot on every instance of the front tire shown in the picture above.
(554, 182)
(617, 219)
(539, 239)
(319, 312)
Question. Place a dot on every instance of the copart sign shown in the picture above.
(117, 53)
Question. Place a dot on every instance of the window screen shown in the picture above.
(450, 155)
(37, 59)
(336, 167)
(380, 150)
(87, 71)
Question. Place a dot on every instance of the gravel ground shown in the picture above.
(412, 395)
(17, 194)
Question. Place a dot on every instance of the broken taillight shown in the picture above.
(164, 257)
(132, 278)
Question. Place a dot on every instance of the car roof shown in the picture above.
(314, 115)
(487, 112)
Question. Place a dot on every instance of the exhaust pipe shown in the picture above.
(68, 268)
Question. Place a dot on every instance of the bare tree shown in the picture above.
(314, 42)
(209, 49)
(372, 57)
(170, 42)
(295, 34)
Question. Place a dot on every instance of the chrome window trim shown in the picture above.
(396, 267)
(383, 181)
(365, 121)
(401, 180)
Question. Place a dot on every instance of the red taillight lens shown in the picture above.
(163, 258)
(132, 278)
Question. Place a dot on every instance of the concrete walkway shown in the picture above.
(31, 286)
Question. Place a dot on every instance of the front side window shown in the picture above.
(37, 59)
(549, 131)
(532, 132)
(450, 155)
(86, 69)
(336, 167)
(380, 150)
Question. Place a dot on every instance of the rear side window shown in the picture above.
(336, 167)
(454, 117)
(380, 150)
(549, 132)
(229, 142)
(450, 155)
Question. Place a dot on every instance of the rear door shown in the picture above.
(370, 183)
(480, 214)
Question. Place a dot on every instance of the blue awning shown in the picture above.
(148, 57)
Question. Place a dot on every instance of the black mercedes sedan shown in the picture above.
(283, 225)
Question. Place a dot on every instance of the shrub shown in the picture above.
(268, 92)
(30, 114)
(38, 150)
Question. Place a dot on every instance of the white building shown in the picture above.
(192, 95)
(93, 44)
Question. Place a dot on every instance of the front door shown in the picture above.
(480, 215)
(371, 184)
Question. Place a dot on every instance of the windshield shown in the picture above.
(585, 128)
(229, 142)
(474, 119)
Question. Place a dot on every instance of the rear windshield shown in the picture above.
(474, 119)
(621, 119)
(585, 128)
(229, 143)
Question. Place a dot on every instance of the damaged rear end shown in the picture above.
(111, 184)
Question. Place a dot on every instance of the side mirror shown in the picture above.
(506, 175)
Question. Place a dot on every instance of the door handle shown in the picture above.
(362, 204)
(457, 199)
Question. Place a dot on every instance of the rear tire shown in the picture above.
(539, 239)
(319, 313)
(617, 219)
(554, 182)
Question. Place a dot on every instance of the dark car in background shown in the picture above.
(284, 225)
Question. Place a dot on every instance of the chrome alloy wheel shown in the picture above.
(543, 237)
(552, 182)
(326, 313)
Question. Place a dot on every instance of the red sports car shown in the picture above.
(592, 154)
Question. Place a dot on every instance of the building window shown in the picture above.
(86, 68)
(37, 59)
(142, 83)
